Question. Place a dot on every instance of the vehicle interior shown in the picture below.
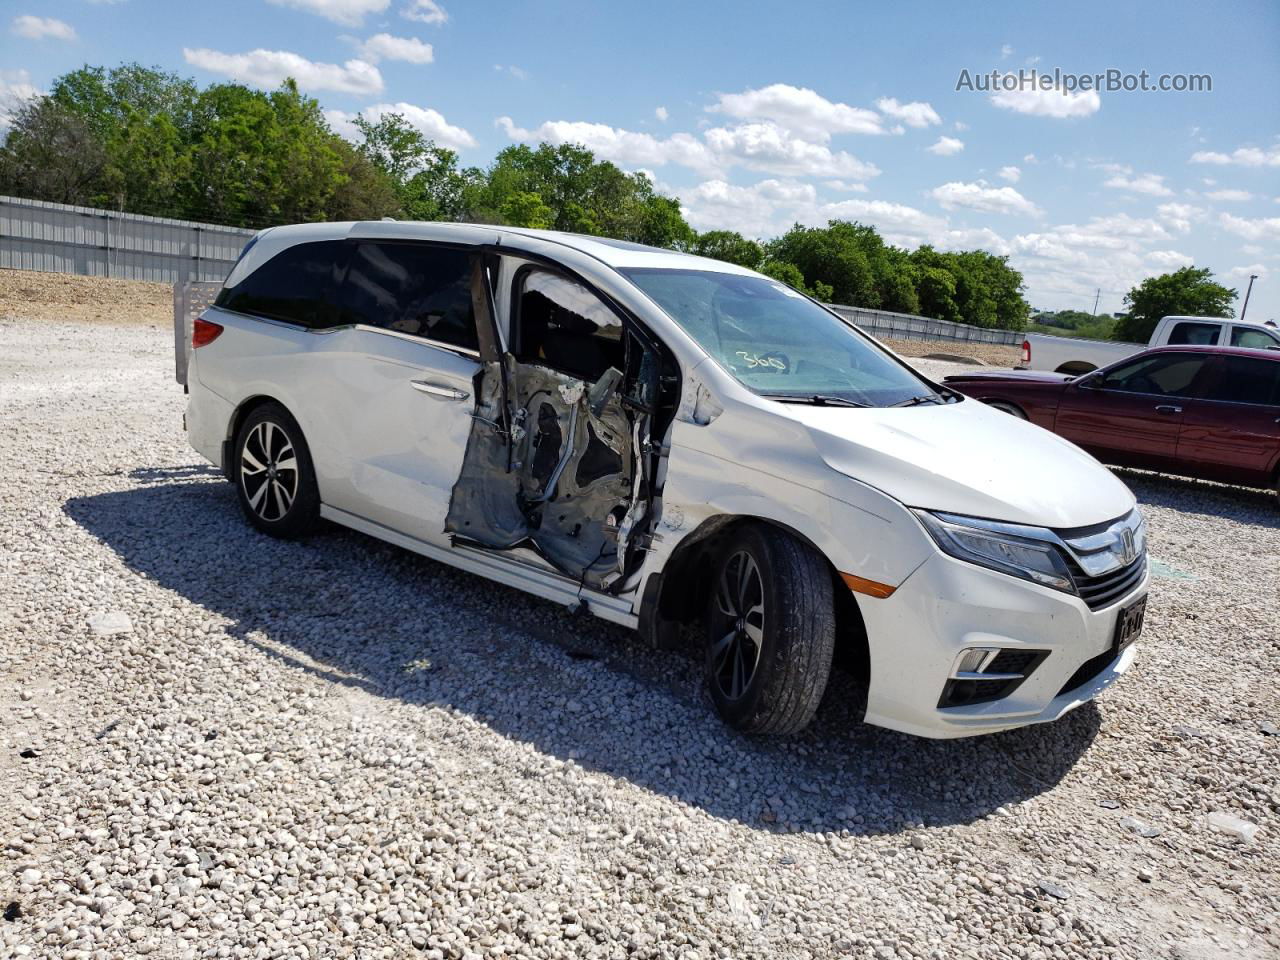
(561, 457)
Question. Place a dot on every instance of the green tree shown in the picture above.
(51, 153)
(575, 193)
(362, 191)
(1189, 292)
(731, 247)
(790, 274)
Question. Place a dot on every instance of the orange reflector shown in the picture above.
(870, 587)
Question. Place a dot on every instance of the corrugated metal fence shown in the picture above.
(905, 326)
(35, 235)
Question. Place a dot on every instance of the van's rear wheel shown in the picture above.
(770, 631)
(274, 478)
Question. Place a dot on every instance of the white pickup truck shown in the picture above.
(1075, 355)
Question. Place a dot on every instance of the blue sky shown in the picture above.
(760, 115)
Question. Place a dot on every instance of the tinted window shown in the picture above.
(1257, 339)
(411, 288)
(1166, 374)
(565, 326)
(1194, 333)
(296, 285)
(1246, 380)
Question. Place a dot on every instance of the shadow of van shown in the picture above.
(356, 611)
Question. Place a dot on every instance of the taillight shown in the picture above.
(204, 332)
(1026, 351)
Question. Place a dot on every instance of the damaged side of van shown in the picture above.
(668, 441)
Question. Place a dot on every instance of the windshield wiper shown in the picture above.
(916, 401)
(817, 399)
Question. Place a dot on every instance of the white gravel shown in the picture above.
(338, 749)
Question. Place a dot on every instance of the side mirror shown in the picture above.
(599, 393)
(1089, 381)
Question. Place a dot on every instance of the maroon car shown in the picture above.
(1209, 412)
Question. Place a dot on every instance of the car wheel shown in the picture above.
(274, 478)
(770, 631)
(1012, 409)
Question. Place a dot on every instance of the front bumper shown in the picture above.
(947, 605)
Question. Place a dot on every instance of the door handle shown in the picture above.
(438, 390)
(1167, 408)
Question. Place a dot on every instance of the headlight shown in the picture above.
(1016, 550)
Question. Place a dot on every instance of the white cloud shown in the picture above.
(761, 209)
(1180, 216)
(270, 68)
(1048, 103)
(1230, 196)
(1030, 158)
(1262, 229)
(661, 113)
(37, 28)
(624, 147)
(960, 126)
(510, 68)
(1242, 274)
(1151, 184)
(383, 46)
(349, 13)
(980, 196)
(15, 89)
(425, 11)
(762, 146)
(1006, 51)
(1170, 259)
(798, 109)
(430, 122)
(946, 147)
(846, 186)
(1011, 174)
(771, 206)
(914, 114)
(770, 148)
(1065, 264)
(1243, 156)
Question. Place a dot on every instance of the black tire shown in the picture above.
(270, 452)
(795, 625)
(1010, 408)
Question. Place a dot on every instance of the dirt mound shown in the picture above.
(987, 354)
(32, 295)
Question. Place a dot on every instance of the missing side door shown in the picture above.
(561, 457)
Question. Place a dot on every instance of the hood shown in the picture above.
(969, 459)
(1011, 376)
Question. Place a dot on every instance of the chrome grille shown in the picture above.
(1105, 589)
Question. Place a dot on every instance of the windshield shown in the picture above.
(778, 343)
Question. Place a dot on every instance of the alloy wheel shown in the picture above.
(269, 471)
(737, 626)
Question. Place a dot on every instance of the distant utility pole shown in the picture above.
(1096, 297)
(1245, 308)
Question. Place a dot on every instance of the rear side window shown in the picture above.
(1246, 380)
(297, 285)
(411, 288)
(1255, 339)
(1168, 374)
(1200, 334)
(565, 326)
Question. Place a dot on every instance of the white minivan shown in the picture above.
(667, 440)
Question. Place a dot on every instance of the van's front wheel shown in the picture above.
(770, 631)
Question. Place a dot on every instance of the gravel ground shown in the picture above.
(338, 749)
